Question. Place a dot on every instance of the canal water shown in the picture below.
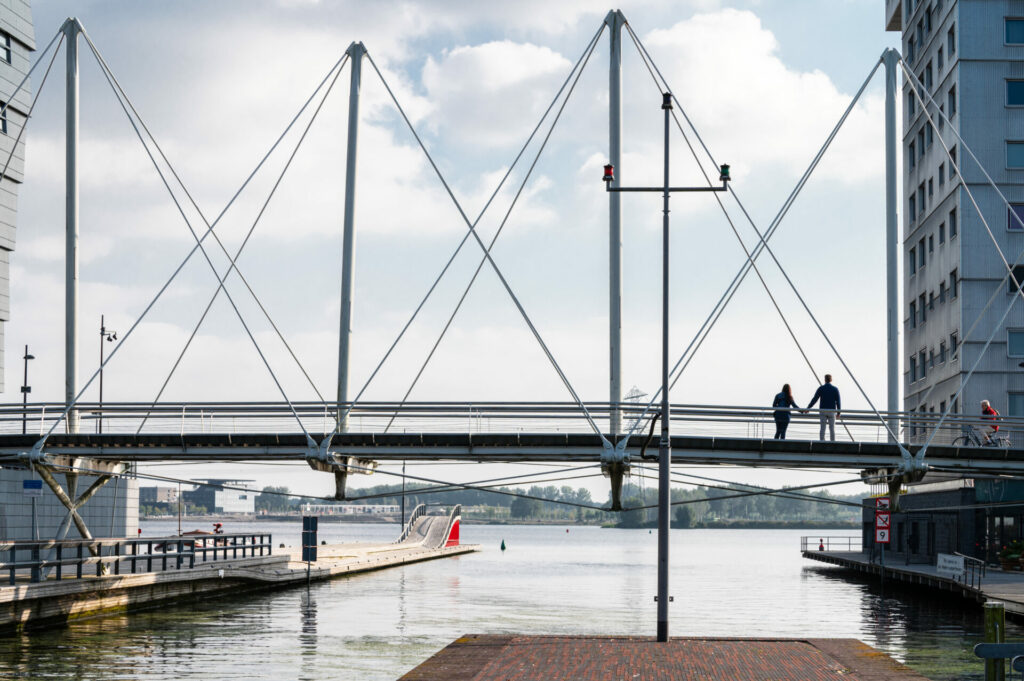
(586, 580)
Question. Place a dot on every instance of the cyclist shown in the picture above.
(988, 413)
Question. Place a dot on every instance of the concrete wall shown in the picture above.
(111, 512)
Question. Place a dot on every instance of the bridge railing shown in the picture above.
(831, 543)
(484, 417)
(95, 557)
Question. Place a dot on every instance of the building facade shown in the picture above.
(17, 42)
(216, 498)
(969, 57)
(158, 495)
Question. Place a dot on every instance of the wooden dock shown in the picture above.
(612, 658)
(996, 585)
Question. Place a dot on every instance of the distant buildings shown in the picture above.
(158, 495)
(349, 509)
(970, 58)
(215, 498)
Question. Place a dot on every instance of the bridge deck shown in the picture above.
(502, 447)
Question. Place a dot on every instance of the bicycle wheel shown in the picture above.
(962, 441)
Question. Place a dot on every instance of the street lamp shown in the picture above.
(25, 390)
(664, 443)
(109, 336)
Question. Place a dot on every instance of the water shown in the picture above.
(588, 580)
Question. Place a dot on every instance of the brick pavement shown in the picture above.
(611, 658)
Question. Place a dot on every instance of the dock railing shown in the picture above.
(416, 513)
(851, 543)
(137, 555)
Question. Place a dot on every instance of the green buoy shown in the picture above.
(502, 544)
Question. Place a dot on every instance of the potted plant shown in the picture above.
(1010, 556)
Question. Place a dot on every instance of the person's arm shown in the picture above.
(817, 394)
(839, 404)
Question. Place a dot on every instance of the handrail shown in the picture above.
(413, 517)
(182, 550)
(456, 514)
(121, 418)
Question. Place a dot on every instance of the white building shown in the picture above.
(969, 55)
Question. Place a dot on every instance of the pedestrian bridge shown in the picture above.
(494, 432)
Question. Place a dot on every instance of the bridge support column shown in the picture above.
(71, 29)
(615, 21)
(355, 54)
(892, 241)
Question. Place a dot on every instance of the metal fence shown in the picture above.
(486, 417)
(85, 557)
(851, 543)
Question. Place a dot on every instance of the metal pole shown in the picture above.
(24, 395)
(355, 52)
(103, 333)
(71, 29)
(615, 20)
(403, 495)
(892, 240)
(665, 444)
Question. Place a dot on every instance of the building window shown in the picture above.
(942, 404)
(921, 364)
(913, 156)
(928, 20)
(929, 135)
(921, 309)
(951, 101)
(1015, 31)
(1015, 216)
(953, 347)
(3, 117)
(954, 402)
(920, 143)
(953, 284)
(1015, 93)
(1015, 154)
(5, 46)
(1015, 342)
(942, 360)
(913, 259)
(942, 292)
(911, 105)
(952, 223)
(931, 243)
(910, 51)
(942, 116)
(931, 361)
(942, 174)
(1016, 279)
(913, 369)
(951, 41)
(928, 82)
(1015, 404)
(940, 63)
(913, 209)
(920, 200)
(952, 162)
(942, 233)
(920, 252)
(920, 32)
(931, 188)
(931, 300)
(913, 315)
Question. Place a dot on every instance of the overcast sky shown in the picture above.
(216, 83)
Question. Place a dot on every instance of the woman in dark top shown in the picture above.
(782, 402)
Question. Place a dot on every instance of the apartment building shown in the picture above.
(969, 57)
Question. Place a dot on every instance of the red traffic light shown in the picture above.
(609, 173)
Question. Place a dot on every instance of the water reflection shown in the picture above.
(379, 625)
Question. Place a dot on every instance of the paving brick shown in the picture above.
(608, 658)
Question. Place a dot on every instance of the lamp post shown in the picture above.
(664, 443)
(25, 390)
(108, 336)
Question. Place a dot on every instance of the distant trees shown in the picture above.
(274, 500)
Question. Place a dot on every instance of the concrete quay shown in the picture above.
(608, 658)
(53, 602)
(996, 585)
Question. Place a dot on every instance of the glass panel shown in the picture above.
(1015, 154)
(1015, 31)
(1015, 343)
(1015, 404)
(1014, 222)
(1015, 92)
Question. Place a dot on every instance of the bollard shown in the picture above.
(995, 632)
